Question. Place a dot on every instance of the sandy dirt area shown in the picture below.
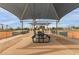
(58, 46)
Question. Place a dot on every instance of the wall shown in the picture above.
(5, 34)
(73, 34)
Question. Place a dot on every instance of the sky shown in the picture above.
(7, 18)
(70, 19)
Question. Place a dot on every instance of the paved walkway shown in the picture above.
(56, 46)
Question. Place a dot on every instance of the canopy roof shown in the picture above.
(40, 23)
(39, 10)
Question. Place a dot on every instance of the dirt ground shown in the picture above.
(23, 45)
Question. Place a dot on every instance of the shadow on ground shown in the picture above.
(54, 41)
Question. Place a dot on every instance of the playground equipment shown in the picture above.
(41, 37)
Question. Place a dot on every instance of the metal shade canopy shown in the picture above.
(40, 23)
(39, 10)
